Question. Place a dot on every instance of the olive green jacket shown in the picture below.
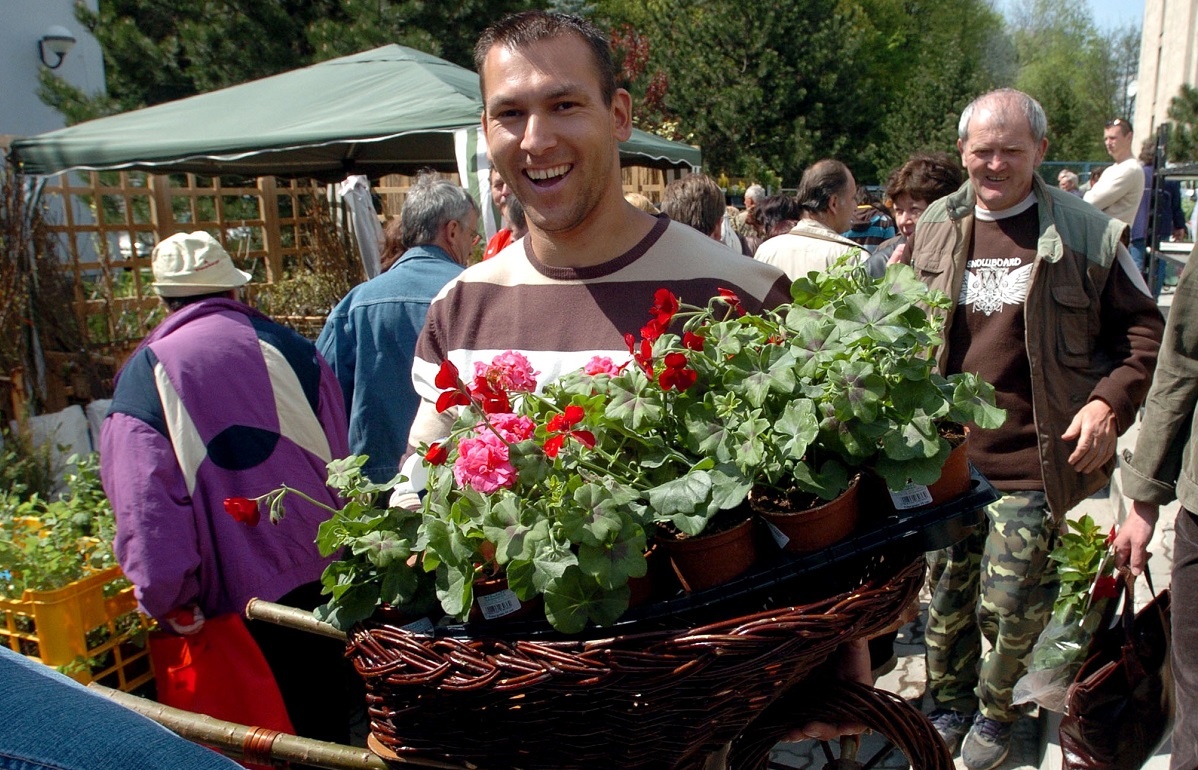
(1084, 341)
(1164, 466)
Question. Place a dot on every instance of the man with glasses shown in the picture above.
(370, 336)
(1117, 192)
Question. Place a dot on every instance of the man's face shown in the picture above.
(549, 132)
(499, 190)
(1066, 182)
(1117, 143)
(1001, 156)
(462, 237)
(907, 211)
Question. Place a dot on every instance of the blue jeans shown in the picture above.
(50, 722)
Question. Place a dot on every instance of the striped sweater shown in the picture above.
(560, 317)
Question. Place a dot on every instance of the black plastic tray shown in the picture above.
(906, 533)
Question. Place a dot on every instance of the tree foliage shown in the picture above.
(1183, 111)
(778, 86)
(1079, 75)
(764, 89)
(157, 51)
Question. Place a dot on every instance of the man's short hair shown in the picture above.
(925, 177)
(1123, 126)
(1029, 107)
(823, 181)
(755, 192)
(694, 200)
(523, 29)
(431, 203)
(1067, 174)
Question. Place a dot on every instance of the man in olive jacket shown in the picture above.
(1164, 468)
(1049, 308)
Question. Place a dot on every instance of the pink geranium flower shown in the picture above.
(601, 365)
(483, 465)
(513, 427)
(508, 371)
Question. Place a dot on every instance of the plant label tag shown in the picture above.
(422, 626)
(498, 604)
(779, 536)
(910, 496)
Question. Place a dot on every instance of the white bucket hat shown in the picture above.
(187, 264)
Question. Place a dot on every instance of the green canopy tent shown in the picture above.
(389, 110)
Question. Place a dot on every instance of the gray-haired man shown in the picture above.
(1047, 306)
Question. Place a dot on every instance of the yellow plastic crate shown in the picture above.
(77, 626)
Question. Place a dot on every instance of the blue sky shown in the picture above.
(1108, 14)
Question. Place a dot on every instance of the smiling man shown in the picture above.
(1049, 308)
(586, 273)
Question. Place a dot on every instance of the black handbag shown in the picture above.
(1119, 709)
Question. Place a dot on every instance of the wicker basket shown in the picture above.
(680, 680)
(661, 699)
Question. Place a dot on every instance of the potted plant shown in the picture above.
(560, 490)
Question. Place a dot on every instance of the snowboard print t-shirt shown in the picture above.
(988, 337)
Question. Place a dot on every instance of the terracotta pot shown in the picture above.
(954, 481)
(954, 478)
(499, 601)
(706, 561)
(814, 528)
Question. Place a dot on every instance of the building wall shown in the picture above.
(1168, 58)
(22, 24)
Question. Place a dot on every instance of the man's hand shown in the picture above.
(1094, 430)
(852, 664)
(185, 621)
(1131, 541)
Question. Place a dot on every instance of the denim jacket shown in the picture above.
(369, 339)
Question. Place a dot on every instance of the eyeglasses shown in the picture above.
(1118, 122)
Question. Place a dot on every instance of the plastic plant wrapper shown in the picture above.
(1085, 567)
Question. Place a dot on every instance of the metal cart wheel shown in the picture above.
(903, 727)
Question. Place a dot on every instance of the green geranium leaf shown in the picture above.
(352, 606)
(455, 590)
(595, 518)
(798, 426)
(635, 408)
(682, 495)
(399, 585)
(917, 439)
(828, 483)
(382, 548)
(729, 486)
(572, 600)
(612, 563)
(918, 470)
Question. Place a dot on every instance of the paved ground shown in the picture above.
(1034, 744)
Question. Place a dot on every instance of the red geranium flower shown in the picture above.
(665, 305)
(243, 509)
(692, 341)
(560, 427)
(451, 398)
(675, 374)
(493, 399)
(730, 297)
(1106, 587)
(436, 454)
(447, 376)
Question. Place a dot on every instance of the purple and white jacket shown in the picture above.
(219, 401)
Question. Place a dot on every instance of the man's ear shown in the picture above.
(621, 114)
(1043, 148)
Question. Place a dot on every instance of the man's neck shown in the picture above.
(609, 232)
(1118, 159)
(818, 216)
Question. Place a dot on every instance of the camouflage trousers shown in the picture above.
(997, 583)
